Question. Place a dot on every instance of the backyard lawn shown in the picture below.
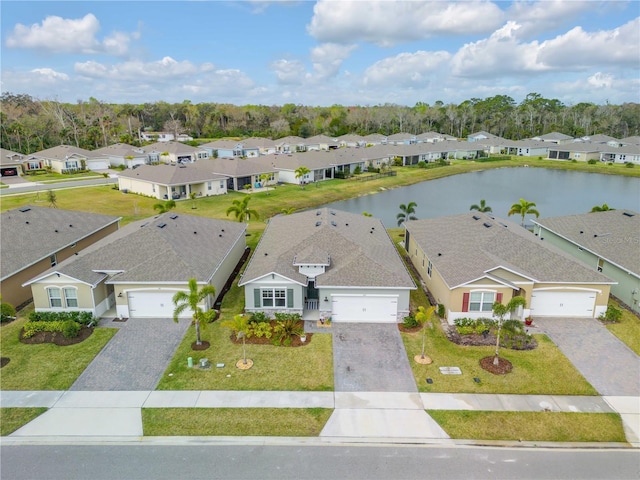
(627, 329)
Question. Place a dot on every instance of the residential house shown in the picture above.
(174, 152)
(65, 159)
(623, 154)
(481, 135)
(122, 154)
(256, 146)
(164, 137)
(240, 172)
(582, 152)
(351, 141)
(554, 137)
(432, 137)
(402, 138)
(525, 148)
(34, 239)
(290, 144)
(10, 163)
(172, 182)
(223, 148)
(470, 261)
(328, 264)
(136, 271)
(320, 142)
(375, 139)
(608, 242)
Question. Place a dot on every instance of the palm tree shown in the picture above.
(602, 208)
(483, 207)
(500, 311)
(523, 208)
(422, 316)
(287, 210)
(165, 206)
(406, 212)
(240, 326)
(241, 210)
(51, 197)
(191, 300)
(301, 172)
(367, 214)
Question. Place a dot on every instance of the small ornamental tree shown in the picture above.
(240, 327)
(499, 312)
(191, 300)
(422, 316)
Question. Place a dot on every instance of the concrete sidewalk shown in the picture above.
(372, 415)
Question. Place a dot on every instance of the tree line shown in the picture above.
(28, 124)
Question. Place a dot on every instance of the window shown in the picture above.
(209, 186)
(274, 297)
(54, 260)
(481, 301)
(70, 297)
(71, 165)
(55, 300)
(221, 183)
(34, 165)
(429, 268)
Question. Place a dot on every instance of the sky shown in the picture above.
(321, 53)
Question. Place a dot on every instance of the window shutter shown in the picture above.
(289, 297)
(499, 297)
(256, 297)
(465, 302)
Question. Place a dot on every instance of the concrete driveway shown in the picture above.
(136, 357)
(607, 363)
(370, 357)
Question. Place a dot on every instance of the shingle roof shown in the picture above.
(62, 152)
(613, 235)
(120, 150)
(171, 147)
(186, 247)
(465, 247)
(236, 167)
(171, 174)
(361, 252)
(24, 244)
(9, 157)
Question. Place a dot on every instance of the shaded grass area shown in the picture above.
(46, 366)
(627, 329)
(12, 419)
(293, 422)
(531, 426)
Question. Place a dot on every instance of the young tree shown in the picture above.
(240, 326)
(483, 207)
(51, 197)
(300, 173)
(165, 206)
(241, 210)
(191, 300)
(500, 311)
(522, 208)
(287, 210)
(422, 316)
(406, 212)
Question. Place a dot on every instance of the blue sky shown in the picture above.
(321, 53)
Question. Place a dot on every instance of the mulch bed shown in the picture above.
(295, 340)
(203, 345)
(504, 366)
(57, 337)
(404, 329)
(4, 361)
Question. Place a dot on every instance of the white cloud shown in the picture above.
(289, 72)
(599, 87)
(49, 75)
(63, 35)
(136, 70)
(388, 23)
(545, 15)
(328, 58)
(408, 69)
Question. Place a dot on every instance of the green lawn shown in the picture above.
(531, 426)
(290, 422)
(628, 329)
(53, 177)
(12, 419)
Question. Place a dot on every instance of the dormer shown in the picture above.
(312, 261)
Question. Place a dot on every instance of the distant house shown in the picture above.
(623, 154)
(351, 141)
(320, 142)
(10, 163)
(121, 154)
(375, 139)
(240, 172)
(34, 239)
(581, 152)
(608, 242)
(136, 271)
(256, 146)
(470, 261)
(554, 137)
(172, 182)
(290, 144)
(66, 158)
(164, 137)
(481, 135)
(223, 148)
(524, 148)
(432, 137)
(328, 264)
(174, 152)
(402, 138)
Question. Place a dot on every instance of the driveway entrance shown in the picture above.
(607, 363)
(136, 357)
(370, 357)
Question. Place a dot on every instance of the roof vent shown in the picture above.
(346, 224)
(70, 226)
(332, 212)
(162, 225)
(27, 222)
(487, 224)
(318, 224)
(503, 224)
(627, 214)
(581, 231)
(220, 235)
(56, 230)
(334, 223)
(24, 209)
(173, 217)
(318, 212)
(195, 233)
(439, 254)
(476, 217)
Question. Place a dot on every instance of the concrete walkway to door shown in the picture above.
(136, 357)
(606, 362)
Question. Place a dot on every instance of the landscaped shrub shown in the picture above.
(31, 328)
(410, 322)
(260, 329)
(284, 330)
(629, 165)
(7, 312)
(259, 317)
(83, 318)
(592, 161)
(422, 164)
(70, 329)
(469, 326)
(441, 310)
(612, 315)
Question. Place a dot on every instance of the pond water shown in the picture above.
(555, 192)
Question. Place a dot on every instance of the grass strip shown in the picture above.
(531, 426)
(288, 422)
(12, 419)
(627, 329)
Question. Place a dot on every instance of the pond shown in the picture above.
(555, 192)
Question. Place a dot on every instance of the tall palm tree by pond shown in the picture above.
(241, 210)
(407, 212)
(522, 208)
(191, 300)
(483, 207)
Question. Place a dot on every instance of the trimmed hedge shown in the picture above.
(83, 318)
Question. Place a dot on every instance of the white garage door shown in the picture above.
(153, 304)
(97, 164)
(562, 304)
(364, 308)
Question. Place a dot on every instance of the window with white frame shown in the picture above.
(34, 165)
(481, 301)
(209, 185)
(71, 165)
(221, 183)
(274, 297)
(53, 259)
(70, 297)
(429, 268)
(55, 300)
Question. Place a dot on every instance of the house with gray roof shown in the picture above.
(10, 163)
(242, 171)
(620, 154)
(173, 182)
(123, 155)
(67, 158)
(34, 239)
(174, 152)
(470, 261)
(607, 242)
(554, 137)
(579, 151)
(328, 264)
(136, 271)
(320, 142)
(256, 146)
(290, 144)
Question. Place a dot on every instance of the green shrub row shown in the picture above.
(69, 328)
(468, 326)
(280, 332)
(83, 318)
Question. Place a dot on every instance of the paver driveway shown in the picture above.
(607, 363)
(136, 357)
(370, 357)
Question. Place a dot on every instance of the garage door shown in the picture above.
(364, 308)
(153, 304)
(97, 164)
(562, 304)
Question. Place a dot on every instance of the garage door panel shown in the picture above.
(364, 308)
(562, 304)
(153, 304)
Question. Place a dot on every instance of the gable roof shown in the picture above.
(145, 251)
(61, 152)
(235, 167)
(120, 150)
(466, 247)
(171, 174)
(9, 157)
(613, 235)
(172, 147)
(360, 252)
(29, 234)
